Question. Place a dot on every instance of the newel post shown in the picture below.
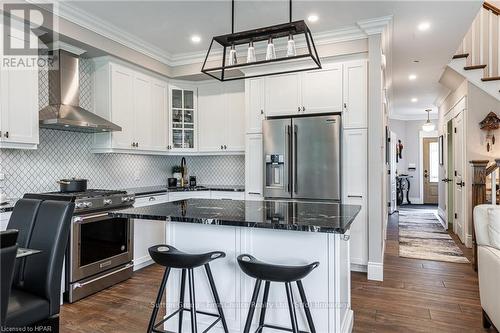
(478, 198)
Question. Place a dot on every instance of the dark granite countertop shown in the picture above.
(285, 215)
(148, 190)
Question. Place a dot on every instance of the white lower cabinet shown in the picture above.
(174, 196)
(227, 195)
(355, 184)
(254, 181)
(147, 233)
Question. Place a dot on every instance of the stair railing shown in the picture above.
(481, 169)
(482, 42)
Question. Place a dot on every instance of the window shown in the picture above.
(433, 162)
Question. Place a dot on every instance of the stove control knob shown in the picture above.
(107, 202)
(80, 205)
(87, 204)
(125, 199)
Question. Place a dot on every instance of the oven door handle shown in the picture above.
(83, 219)
(80, 285)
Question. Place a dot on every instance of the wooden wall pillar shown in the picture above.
(479, 174)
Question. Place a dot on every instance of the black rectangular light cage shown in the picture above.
(306, 59)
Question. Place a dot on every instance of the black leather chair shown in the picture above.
(23, 219)
(8, 251)
(262, 271)
(35, 300)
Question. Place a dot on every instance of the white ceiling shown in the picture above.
(166, 27)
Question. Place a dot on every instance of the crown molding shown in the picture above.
(375, 25)
(362, 29)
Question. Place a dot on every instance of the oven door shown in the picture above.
(98, 243)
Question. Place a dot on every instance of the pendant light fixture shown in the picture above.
(229, 68)
(428, 126)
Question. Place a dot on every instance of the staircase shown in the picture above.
(478, 57)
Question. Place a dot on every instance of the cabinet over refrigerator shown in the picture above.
(302, 157)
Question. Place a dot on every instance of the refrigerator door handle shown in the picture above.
(288, 150)
(295, 135)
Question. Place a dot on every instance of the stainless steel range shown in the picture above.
(100, 250)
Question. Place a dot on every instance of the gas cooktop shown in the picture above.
(89, 200)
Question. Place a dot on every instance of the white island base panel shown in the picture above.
(327, 287)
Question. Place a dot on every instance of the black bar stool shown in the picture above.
(170, 257)
(276, 273)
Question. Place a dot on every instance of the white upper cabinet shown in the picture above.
(234, 93)
(135, 101)
(183, 118)
(211, 117)
(322, 90)
(122, 106)
(221, 117)
(282, 94)
(254, 101)
(355, 94)
(19, 108)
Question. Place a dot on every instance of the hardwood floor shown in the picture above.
(415, 296)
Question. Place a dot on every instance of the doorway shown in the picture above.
(431, 170)
(458, 177)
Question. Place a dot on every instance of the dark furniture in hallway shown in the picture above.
(262, 271)
(169, 257)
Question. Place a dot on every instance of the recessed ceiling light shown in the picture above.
(412, 77)
(313, 18)
(414, 100)
(423, 26)
(195, 39)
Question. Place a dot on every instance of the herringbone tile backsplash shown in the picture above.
(64, 154)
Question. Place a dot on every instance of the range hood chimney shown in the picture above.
(64, 111)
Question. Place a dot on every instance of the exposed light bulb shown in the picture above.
(233, 60)
(270, 52)
(290, 47)
(251, 53)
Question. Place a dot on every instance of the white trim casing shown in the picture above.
(375, 271)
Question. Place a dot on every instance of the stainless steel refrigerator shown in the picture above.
(302, 158)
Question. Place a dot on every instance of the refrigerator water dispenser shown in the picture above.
(275, 168)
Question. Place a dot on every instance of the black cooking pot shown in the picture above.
(72, 185)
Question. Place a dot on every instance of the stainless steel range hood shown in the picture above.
(63, 111)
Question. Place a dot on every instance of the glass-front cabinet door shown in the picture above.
(183, 118)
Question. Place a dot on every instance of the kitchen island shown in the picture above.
(283, 232)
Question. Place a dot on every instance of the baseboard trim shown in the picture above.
(468, 241)
(142, 262)
(358, 268)
(348, 322)
(375, 271)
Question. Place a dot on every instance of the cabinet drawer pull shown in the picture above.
(345, 106)
(254, 193)
(355, 196)
(152, 199)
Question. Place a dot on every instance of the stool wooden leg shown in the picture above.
(306, 307)
(181, 298)
(264, 305)
(157, 305)
(251, 309)
(216, 297)
(291, 307)
(192, 300)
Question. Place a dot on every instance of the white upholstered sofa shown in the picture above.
(488, 255)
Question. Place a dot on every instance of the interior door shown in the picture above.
(459, 192)
(316, 157)
(431, 170)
